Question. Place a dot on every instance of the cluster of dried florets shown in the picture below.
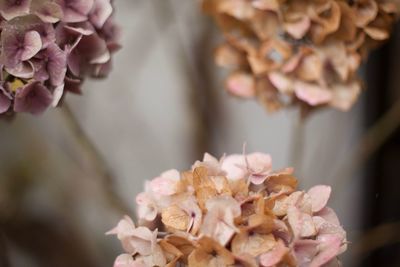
(231, 212)
(49, 46)
(303, 52)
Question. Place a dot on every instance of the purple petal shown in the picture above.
(47, 33)
(73, 85)
(33, 98)
(57, 95)
(5, 100)
(75, 10)
(31, 46)
(49, 12)
(10, 9)
(82, 28)
(24, 70)
(41, 73)
(56, 64)
(102, 10)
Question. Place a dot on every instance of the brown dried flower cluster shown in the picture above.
(303, 52)
(231, 212)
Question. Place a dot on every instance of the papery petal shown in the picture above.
(241, 84)
(14, 8)
(48, 12)
(259, 163)
(126, 260)
(24, 70)
(330, 250)
(166, 184)
(274, 256)
(235, 166)
(56, 65)
(32, 45)
(100, 12)
(75, 10)
(33, 98)
(312, 94)
(301, 223)
(319, 196)
(5, 101)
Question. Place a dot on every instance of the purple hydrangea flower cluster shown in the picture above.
(48, 47)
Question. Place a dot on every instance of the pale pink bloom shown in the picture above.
(219, 220)
(134, 239)
(146, 206)
(166, 184)
(235, 166)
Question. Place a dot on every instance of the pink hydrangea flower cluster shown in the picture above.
(48, 47)
(235, 211)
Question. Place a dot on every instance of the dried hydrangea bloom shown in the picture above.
(235, 211)
(48, 47)
(301, 52)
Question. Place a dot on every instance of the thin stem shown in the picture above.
(97, 160)
(375, 137)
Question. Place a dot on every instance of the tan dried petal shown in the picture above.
(171, 253)
(210, 253)
(252, 243)
(175, 218)
(327, 21)
(365, 12)
(182, 244)
(229, 57)
(310, 68)
(344, 95)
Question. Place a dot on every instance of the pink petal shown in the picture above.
(126, 260)
(101, 11)
(275, 255)
(319, 196)
(242, 85)
(312, 94)
(166, 184)
(235, 166)
(330, 250)
(282, 82)
(299, 28)
(259, 162)
(301, 223)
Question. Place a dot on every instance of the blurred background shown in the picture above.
(66, 177)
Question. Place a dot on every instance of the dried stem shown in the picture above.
(375, 137)
(97, 160)
(375, 238)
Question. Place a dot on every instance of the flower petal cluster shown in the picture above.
(303, 52)
(48, 47)
(235, 211)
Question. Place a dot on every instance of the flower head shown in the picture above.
(235, 211)
(304, 53)
(49, 47)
